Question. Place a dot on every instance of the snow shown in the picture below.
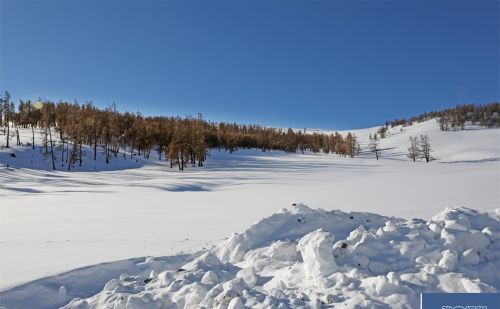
(54, 222)
(283, 262)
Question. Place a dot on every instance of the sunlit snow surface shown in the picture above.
(53, 222)
(301, 258)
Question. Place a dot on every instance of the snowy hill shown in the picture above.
(472, 144)
(52, 222)
(39, 158)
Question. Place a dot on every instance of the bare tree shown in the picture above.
(52, 150)
(413, 148)
(425, 147)
(374, 145)
(48, 120)
(8, 115)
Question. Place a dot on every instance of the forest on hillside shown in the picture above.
(487, 115)
(182, 141)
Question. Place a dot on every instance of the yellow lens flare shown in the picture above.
(38, 105)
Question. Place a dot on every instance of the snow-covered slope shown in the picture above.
(469, 145)
(53, 222)
(25, 156)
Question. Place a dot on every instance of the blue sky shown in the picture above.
(321, 64)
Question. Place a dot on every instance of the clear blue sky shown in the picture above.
(321, 64)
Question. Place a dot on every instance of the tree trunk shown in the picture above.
(95, 146)
(62, 153)
(7, 134)
(46, 144)
(67, 152)
(107, 153)
(52, 151)
(80, 154)
(69, 164)
(181, 161)
(73, 155)
(33, 136)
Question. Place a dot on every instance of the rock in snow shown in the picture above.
(283, 262)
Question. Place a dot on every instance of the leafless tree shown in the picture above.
(374, 145)
(425, 147)
(413, 149)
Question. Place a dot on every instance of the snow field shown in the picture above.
(305, 258)
(54, 222)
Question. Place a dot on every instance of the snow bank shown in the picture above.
(308, 258)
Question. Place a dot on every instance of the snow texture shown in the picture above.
(301, 258)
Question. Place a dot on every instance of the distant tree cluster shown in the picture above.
(382, 131)
(181, 141)
(484, 115)
(419, 148)
(487, 115)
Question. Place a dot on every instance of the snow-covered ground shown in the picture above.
(53, 222)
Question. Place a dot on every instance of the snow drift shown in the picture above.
(305, 258)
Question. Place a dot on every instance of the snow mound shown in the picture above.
(311, 258)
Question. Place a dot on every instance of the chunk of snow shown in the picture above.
(449, 260)
(470, 256)
(236, 303)
(166, 278)
(317, 252)
(248, 275)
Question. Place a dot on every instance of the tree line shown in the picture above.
(181, 141)
(486, 115)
